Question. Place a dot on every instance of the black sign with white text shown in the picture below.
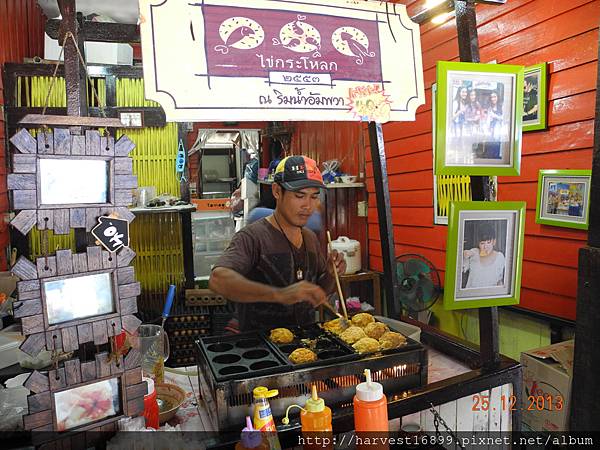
(112, 233)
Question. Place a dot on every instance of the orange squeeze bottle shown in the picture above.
(315, 419)
(370, 407)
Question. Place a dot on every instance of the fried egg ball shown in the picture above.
(336, 326)
(362, 320)
(391, 340)
(353, 334)
(366, 345)
(281, 336)
(302, 355)
(376, 329)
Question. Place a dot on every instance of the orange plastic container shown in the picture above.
(315, 419)
(370, 407)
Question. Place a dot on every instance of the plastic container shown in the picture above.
(370, 407)
(151, 412)
(351, 250)
(251, 438)
(263, 418)
(315, 416)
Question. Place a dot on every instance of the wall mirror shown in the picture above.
(87, 404)
(79, 297)
(73, 181)
(61, 181)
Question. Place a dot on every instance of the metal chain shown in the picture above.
(437, 419)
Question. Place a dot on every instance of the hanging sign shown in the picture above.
(216, 60)
(112, 233)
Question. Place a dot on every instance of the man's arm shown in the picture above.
(235, 287)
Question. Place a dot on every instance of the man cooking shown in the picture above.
(274, 269)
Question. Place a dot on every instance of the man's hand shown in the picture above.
(302, 292)
(338, 259)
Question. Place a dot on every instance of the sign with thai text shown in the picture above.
(216, 60)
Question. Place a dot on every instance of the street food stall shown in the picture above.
(285, 64)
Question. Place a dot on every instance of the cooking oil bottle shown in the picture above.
(315, 419)
(263, 418)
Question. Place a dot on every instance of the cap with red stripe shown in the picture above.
(298, 172)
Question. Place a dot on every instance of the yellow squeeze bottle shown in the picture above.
(263, 418)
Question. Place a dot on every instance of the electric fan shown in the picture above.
(419, 282)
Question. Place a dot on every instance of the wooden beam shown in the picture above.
(153, 117)
(39, 119)
(100, 31)
(585, 409)
(74, 73)
(468, 47)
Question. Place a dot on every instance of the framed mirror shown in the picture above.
(78, 297)
(90, 403)
(61, 180)
(88, 182)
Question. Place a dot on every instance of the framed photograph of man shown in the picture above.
(564, 198)
(534, 97)
(479, 114)
(484, 254)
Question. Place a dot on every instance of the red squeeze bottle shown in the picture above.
(370, 412)
(151, 412)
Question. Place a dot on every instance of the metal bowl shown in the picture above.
(170, 398)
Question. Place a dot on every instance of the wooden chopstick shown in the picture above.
(337, 280)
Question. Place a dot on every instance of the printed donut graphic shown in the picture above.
(351, 41)
(300, 37)
(241, 33)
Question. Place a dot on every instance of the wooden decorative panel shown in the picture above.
(51, 333)
(59, 145)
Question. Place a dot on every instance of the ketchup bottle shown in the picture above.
(370, 413)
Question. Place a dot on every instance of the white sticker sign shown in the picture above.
(216, 60)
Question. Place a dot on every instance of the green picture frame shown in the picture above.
(535, 90)
(563, 198)
(491, 230)
(478, 119)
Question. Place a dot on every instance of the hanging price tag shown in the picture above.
(180, 161)
(112, 233)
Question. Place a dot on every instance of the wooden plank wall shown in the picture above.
(344, 141)
(565, 35)
(21, 35)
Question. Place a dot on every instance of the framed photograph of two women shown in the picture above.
(484, 254)
(479, 119)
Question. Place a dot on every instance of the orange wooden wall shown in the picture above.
(344, 141)
(526, 32)
(21, 35)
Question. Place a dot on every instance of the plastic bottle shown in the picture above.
(251, 438)
(315, 416)
(263, 418)
(151, 412)
(315, 419)
(370, 407)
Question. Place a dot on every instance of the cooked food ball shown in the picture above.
(336, 326)
(362, 320)
(353, 334)
(366, 345)
(302, 355)
(391, 340)
(376, 329)
(281, 336)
